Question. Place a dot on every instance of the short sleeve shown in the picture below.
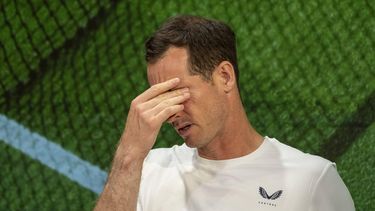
(330, 193)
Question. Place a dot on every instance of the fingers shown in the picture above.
(163, 97)
(157, 89)
(162, 105)
(157, 104)
(168, 112)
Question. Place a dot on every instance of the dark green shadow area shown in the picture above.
(356, 167)
(350, 130)
(34, 77)
(26, 184)
(31, 30)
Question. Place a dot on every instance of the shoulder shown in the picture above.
(327, 190)
(164, 157)
(292, 157)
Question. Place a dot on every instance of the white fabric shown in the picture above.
(274, 177)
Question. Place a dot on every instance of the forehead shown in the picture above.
(171, 65)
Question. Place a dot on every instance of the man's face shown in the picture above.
(204, 112)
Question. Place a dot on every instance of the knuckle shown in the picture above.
(138, 108)
(134, 102)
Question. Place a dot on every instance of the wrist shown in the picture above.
(126, 159)
(133, 147)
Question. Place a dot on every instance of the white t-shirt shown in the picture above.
(273, 177)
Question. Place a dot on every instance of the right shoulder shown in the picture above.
(169, 157)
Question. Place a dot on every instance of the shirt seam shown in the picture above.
(324, 172)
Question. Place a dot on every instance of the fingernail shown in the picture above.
(185, 89)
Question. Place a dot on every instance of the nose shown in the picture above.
(174, 118)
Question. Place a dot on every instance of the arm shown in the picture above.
(147, 113)
(122, 187)
(330, 192)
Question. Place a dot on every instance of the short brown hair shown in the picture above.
(208, 42)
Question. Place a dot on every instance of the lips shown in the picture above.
(183, 128)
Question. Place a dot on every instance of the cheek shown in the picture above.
(203, 96)
(188, 106)
(194, 106)
(202, 107)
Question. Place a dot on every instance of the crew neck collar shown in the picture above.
(246, 158)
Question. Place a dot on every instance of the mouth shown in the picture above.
(185, 128)
(183, 131)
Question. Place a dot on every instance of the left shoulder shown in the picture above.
(291, 156)
(326, 189)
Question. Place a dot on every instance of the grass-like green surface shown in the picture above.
(29, 185)
(31, 30)
(357, 169)
(305, 67)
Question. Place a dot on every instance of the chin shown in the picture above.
(191, 143)
(194, 143)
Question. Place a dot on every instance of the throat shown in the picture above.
(233, 146)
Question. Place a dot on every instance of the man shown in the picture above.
(224, 163)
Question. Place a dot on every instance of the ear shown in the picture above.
(225, 77)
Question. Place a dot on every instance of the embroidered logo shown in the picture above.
(265, 195)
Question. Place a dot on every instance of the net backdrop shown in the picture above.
(69, 70)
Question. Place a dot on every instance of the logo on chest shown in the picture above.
(270, 199)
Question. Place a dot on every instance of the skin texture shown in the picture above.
(219, 125)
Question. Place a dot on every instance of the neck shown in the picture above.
(238, 138)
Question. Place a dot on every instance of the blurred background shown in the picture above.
(69, 70)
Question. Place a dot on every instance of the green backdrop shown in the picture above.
(69, 69)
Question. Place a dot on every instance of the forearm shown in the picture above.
(146, 114)
(122, 187)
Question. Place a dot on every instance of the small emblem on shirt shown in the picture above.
(273, 196)
(265, 195)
